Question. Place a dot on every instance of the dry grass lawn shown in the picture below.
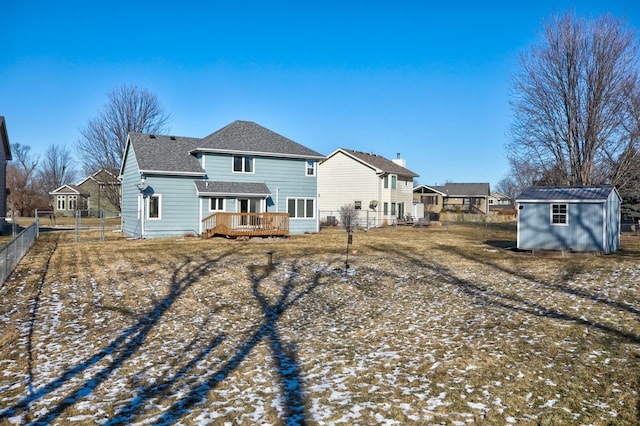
(426, 326)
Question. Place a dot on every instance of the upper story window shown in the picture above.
(394, 179)
(311, 168)
(243, 164)
(559, 214)
(386, 181)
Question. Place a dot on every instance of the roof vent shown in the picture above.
(152, 136)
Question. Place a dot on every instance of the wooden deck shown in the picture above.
(246, 225)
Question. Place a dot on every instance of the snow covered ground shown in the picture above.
(413, 332)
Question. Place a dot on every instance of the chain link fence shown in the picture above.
(14, 250)
(88, 225)
(365, 219)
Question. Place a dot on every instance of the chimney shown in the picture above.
(399, 161)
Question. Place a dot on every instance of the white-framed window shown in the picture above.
(311, 168)
(61, 202)
(559, 214)
(301, 208)
(394, 180)
(216, 204)
(385, 209)
(73, 202)
(243, 164)
(154, 207)
(357, 205)
(386, 181)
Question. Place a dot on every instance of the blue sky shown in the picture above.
(428, 80)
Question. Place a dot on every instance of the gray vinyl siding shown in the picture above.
(179, 203)
(129, 200)
(583, 232)
(285, 177)
(3, 184)
(612, 223)
(178, 207)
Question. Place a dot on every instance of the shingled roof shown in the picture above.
(220, 189)
(166, 154)
(377, 162)
(248, 137)
(463, 189)
(565, 193)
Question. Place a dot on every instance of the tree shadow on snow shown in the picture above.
(121, 349)
(285, 356)
(129, 341)
(492, 296)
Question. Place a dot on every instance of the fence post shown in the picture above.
(77, 226)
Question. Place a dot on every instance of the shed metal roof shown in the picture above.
(566, 193)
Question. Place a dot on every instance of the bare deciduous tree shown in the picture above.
(25, 192)
(57, 168)
(574, 103)
(103, 139)
(348, 216)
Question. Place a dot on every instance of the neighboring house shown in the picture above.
(69, 198)
(569, 218)
(431, 198)
(454, 197)
(102, 186)
(88, 195)
(241, 178)
(499, 201)
(380, 189)
(5, 155)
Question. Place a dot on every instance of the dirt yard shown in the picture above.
(426, 326)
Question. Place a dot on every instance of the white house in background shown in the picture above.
(380, 189)
(499, 201)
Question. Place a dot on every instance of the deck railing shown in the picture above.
(246, 224)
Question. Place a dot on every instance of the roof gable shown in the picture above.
(68, 190)
(102, 176)
(250, 138)
(566, 193)
(376, 162)
(432, 189)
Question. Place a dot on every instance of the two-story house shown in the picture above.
(95, 195)
(379, 189)
(243, 179)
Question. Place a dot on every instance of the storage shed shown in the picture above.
(585, 218)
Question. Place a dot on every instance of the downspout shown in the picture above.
(200, 217)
